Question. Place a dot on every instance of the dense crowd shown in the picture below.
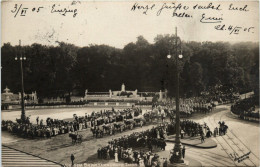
(125, 148)
(138, 147)
(187, 107)
(101, 123)
(220, 93)
(246, 107)
(187, 127)
(53, 127)
(110, 122)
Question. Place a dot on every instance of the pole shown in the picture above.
(177, 156)
(22, 87)
(177, 95)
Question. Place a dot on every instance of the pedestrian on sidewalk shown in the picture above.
(183, 152)
(72, 159)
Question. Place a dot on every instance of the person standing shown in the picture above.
(37, 120)
(183, 152)
(116, 155)
(72, 158)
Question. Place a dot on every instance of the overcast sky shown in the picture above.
(114, 24)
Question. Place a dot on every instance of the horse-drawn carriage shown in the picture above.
(107, 128)
(140, 121)
(222, 128)
(119, 126)
(129, 123)
(76, 138)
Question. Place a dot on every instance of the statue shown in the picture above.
(86, 93)
(34, 96)
(160, 95)
(135, 93)
(110, 93)
(123, 88)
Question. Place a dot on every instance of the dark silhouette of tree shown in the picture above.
(60, 70)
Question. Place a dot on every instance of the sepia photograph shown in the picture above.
(129, 83)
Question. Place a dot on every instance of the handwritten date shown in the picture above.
(22, 10)
(234, 29)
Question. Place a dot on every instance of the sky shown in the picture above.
(114, 24)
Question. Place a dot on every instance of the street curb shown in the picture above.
(192, 145)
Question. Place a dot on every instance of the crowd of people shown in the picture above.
(125, 148)
(138, 147)
(246, 107)
(100, 123)
(187, 107)
(52, 127)
(110, 122)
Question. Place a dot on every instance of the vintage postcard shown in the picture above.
(129, 83)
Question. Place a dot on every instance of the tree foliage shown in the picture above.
(59, 70)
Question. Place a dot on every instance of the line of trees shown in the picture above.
(58, 70)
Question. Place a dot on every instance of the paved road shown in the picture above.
(15, 158)
(59, 113)
(242, 137)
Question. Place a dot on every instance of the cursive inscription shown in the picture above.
(206, 19)
(22, 11)
(209, 6)
(172, 6)
(145, 8)
(234, 29)
(63, 11)
(213, 13)
(232, 7)
(235, 157)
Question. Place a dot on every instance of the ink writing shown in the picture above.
(63, 11)
(145, 8)
(234, 29)
(22, 10)
(207, 19)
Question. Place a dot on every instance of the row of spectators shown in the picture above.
(138, 147)
(52, 128)
(246, 107)
(125, 148)
(103, 122)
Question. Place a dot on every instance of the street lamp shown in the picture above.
(22, 58)
(176, 156)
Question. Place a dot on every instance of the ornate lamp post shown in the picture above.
(176, 156)
(21, 58)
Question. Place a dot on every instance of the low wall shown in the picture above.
(91, 104)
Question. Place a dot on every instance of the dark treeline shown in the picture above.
(57, 70)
